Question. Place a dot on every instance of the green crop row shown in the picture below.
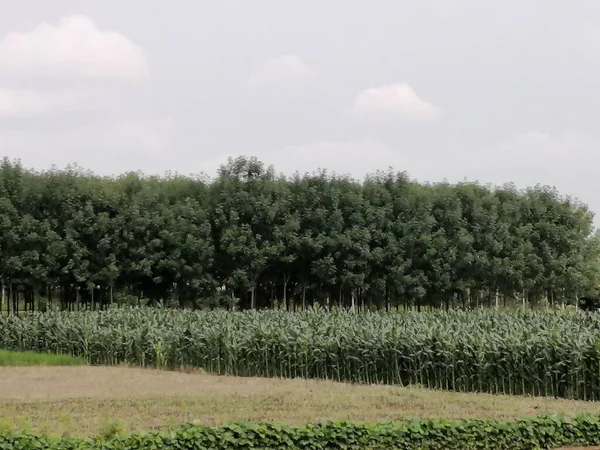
(523, 353)
(524, 434)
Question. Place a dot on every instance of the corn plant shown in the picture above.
(522, 353)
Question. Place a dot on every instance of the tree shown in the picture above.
(386, 241)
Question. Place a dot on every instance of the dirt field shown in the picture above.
(89, 400)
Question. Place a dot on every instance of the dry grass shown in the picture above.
(89, 400)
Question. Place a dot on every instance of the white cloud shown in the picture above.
(133, 144)
(354, 158)
(566, 160)
(28, 103)
(394, 102)
(22, 103)
(445, 9)
(280, 70)
(566, 147)
(75, 48)
(154, 137)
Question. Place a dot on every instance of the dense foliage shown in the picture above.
(532, 353)
(252, 238)
(523, 434)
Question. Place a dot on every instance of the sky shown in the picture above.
(445, 90)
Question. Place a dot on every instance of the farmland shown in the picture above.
(524, 353)
(488, 369)
(83, 401)
(419, 271)
(256, 297)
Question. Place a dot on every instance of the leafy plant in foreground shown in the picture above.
(523, 434)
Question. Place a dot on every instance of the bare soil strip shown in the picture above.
(81, 401)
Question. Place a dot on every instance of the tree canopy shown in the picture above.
(255, 239)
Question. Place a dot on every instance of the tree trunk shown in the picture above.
(253, 292)
(16, 302)
(497, 300)
(387, 297)
(304, 296)
(286, 278)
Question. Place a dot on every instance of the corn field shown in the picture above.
(522, 353)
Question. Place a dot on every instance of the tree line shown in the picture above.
(251, 238)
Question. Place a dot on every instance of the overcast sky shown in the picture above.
(444, 89)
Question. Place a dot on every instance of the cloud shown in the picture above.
(29, 103)
(566, 147)
(283, 69)
(132, 144)
(355, 158)
(394, 102)
(567, 160)
(445, 9)
(75, 48)
(564, 159)
(22, 103)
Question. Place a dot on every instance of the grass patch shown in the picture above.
(8, 358)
